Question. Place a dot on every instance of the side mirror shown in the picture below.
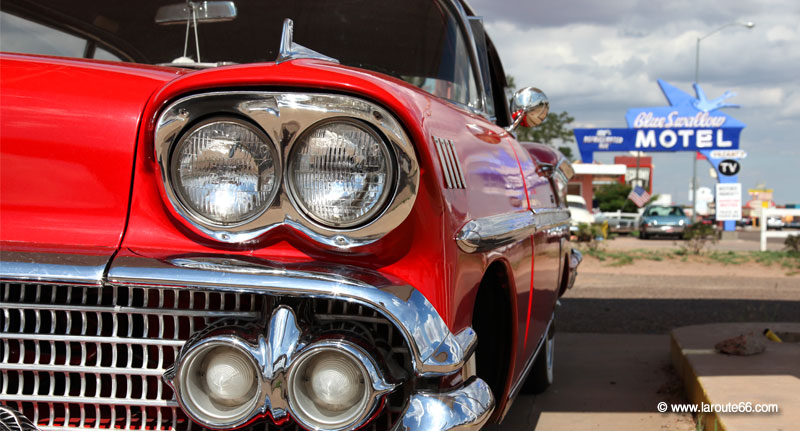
(205, 11)
(529, 107)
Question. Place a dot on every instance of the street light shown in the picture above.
(747, 25)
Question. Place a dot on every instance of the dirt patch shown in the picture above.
(691, 265)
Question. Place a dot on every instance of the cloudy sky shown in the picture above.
(597, 59)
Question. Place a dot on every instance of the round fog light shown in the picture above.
(219, 385)
(329, 388)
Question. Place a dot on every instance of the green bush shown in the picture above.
(697, 236)
(792, 243)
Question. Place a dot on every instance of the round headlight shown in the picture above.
(329, 389)
(224, 171)
(340, 173)
(219, 385)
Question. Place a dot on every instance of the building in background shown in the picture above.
(590, 176)
(644, 178)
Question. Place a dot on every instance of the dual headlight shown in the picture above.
(329, 386)
(227, 172)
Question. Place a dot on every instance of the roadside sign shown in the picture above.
(729, 201)
(728, 154)
(729, 167)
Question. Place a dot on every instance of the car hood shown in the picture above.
(69, 134)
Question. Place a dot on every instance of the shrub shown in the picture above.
(792, 243)
(589, 233)
(697, 236)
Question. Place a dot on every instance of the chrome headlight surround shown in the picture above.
(284, 117)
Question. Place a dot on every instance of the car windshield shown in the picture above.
(576, 205)
(664, 211)
(419, 41)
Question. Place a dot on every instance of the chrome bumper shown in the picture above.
(663, 229)
(467, 408)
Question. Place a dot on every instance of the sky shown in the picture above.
(597, 59)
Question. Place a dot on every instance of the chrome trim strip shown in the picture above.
(81, 369)
(548, 218)
(53, 267)
(529, 365)
(93, 339)
(491, 232)
(133, 310)
(449, 182)
(64, 399)
(464, 409)
(284, 117)
(435, 350)
(451, 166)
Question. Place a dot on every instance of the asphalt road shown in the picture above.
(612, 354)
(642, 304)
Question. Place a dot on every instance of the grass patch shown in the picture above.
(729, 257)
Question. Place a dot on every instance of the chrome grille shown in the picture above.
(92, 357)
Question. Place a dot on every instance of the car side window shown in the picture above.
(24, 36)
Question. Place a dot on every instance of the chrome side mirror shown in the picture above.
(529, 107)
(205, 11)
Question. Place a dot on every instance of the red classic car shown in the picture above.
(205, 224)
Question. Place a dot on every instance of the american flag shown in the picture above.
(639, 196)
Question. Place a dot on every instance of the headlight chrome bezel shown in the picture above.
(283, 118)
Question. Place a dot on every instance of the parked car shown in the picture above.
(578, 212)
(662, 221)
(775, 222)
(619, 222)
(205, 222)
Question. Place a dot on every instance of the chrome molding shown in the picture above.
(491, 232)
(53, 267)
(290, 50)
(435, 351)
(283, 117)
(466, 408)
(451, 167)
(549, 218)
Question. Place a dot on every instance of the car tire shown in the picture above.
(642, 234)
(541, 375)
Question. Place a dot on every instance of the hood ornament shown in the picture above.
(291, 51)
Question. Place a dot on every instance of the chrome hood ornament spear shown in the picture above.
(291, 51)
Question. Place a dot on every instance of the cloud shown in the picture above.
(597, 60)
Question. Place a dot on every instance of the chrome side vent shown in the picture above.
(453, 174)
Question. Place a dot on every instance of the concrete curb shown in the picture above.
(771, 377)
(691, 384)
